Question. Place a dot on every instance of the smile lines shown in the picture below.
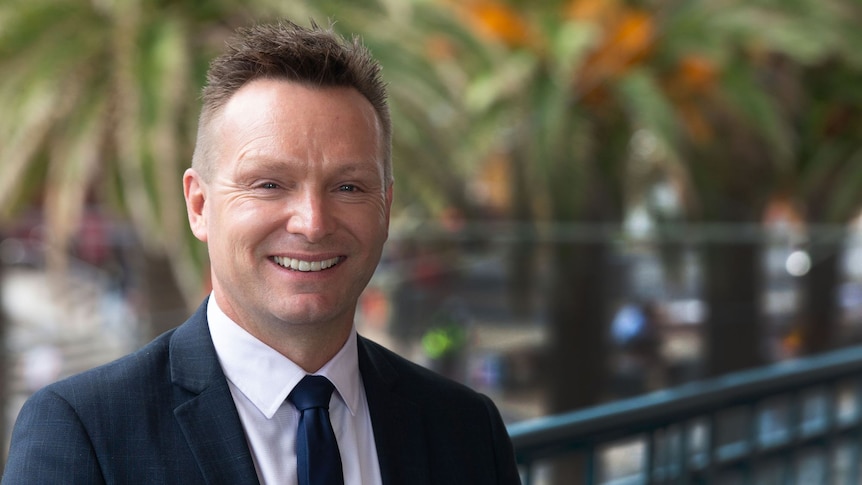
(306, 266)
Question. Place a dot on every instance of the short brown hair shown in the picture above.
(314, 56)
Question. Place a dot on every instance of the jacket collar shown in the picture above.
(204, 407)
(399, 431)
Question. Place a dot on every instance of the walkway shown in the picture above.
(58, 327)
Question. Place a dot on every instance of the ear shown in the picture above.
(194, 189)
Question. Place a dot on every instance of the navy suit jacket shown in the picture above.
(164, 414)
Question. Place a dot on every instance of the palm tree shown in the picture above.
(554, 90)
(826, 175)
(559, 88)
(564, 85)
(101, 104)
(797, 93)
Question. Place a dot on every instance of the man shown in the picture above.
(291, 188)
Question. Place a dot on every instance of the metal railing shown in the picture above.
(796, 422)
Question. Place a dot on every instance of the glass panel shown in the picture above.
(622, 462)
(668, 453)
(565, 468)
(733, 433)
(847, 403)
(845, 462)
(814, 415)
(698, 443)
(731, 477)
(773, 427)
(811, 467)
(773, 472)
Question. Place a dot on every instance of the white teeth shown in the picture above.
(305, 266)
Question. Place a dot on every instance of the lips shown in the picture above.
(306, 266)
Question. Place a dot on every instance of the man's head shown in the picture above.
(313, 56)
(291, 187)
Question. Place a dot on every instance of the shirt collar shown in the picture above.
(265, 376)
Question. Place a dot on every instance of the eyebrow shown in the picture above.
(357, 167)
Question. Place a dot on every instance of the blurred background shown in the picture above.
(594, 199)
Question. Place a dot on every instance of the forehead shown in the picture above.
(285, 118)
(284, 99)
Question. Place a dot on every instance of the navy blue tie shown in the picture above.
(318, 461)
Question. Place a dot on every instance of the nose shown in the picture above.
(310, 215)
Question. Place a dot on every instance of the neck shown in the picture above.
(310, 351)
(310, 345)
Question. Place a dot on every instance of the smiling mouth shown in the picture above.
(306, 266)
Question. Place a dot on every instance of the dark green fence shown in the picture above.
(796, 422)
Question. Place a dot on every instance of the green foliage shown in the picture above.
(100, 100)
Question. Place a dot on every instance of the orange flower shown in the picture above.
(633, 38)
(597, 11)
(696, 74)
(501, 22)
(689, 86)
(629, 41)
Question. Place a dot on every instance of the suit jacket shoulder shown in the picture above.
(430, 429)
(162, 414)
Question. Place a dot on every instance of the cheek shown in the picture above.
(367, 220)
(239, 229)
(248, 233)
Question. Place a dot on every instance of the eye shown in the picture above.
(268, 185)
(348, 188)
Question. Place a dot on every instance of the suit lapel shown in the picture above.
(399, 432)
(204, 407)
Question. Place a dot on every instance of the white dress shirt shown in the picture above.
(260, 380)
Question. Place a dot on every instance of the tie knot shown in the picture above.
(311, 392)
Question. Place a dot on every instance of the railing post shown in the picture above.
(527, 476)
(590, 465)
(650, 456)
(857, 439)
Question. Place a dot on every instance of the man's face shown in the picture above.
(297, 210)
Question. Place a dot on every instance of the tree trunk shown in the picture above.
(522, 257)
(577, 344)
(577, 357)
(733, 336)
(820, 313)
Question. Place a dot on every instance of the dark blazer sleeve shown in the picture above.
(50, 445)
